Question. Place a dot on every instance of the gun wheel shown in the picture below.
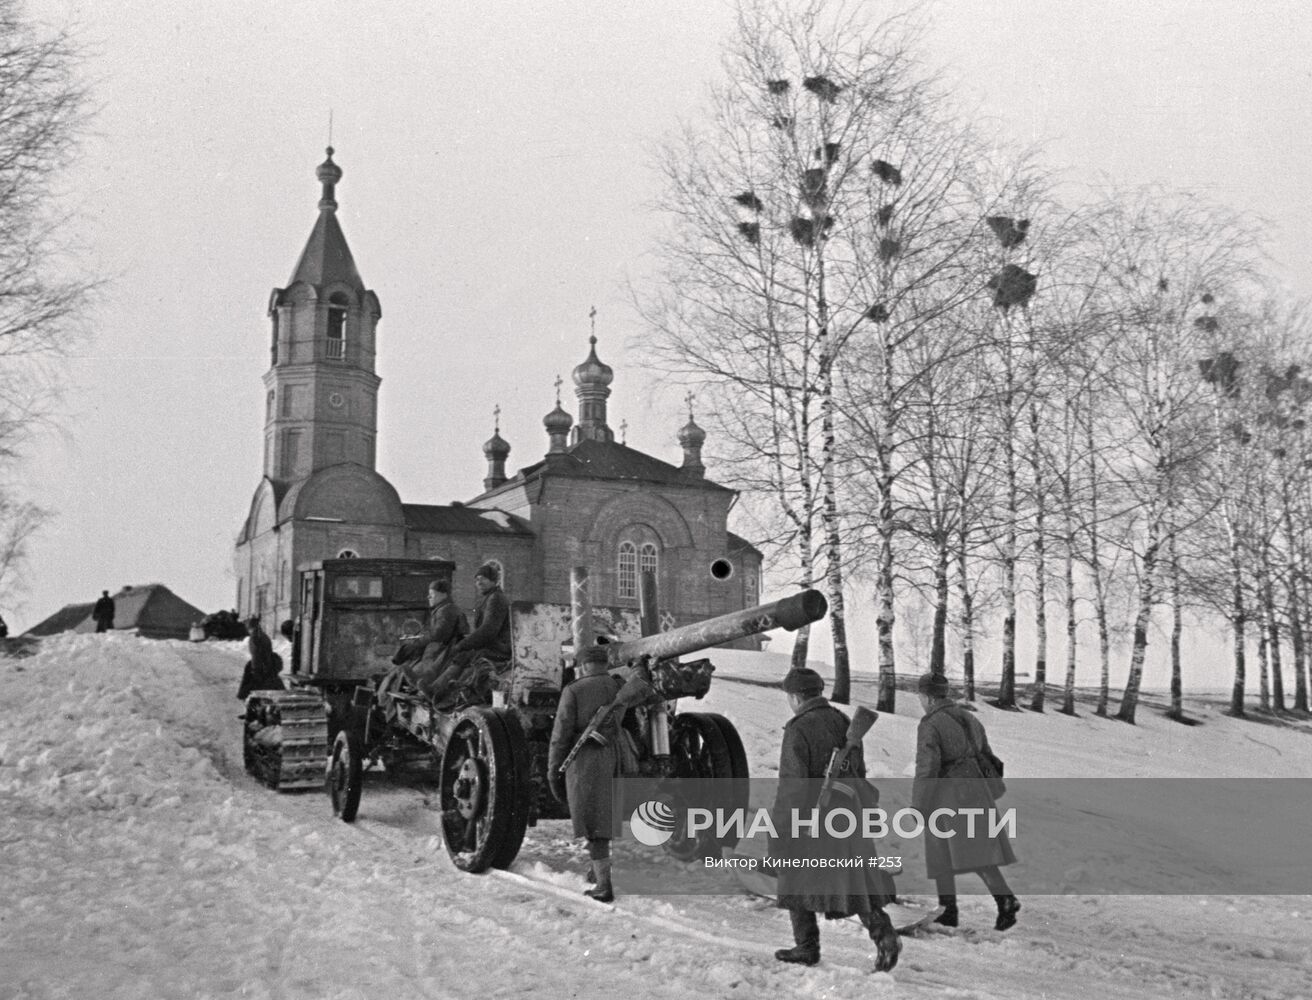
(484, 790)
(705, 745)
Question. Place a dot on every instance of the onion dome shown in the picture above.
(593, 372)
(496, 447)
(558, 421)
(690, 435)
(329, 173)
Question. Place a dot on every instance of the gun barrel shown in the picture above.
(791, 613)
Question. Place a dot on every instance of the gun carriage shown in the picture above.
(490, 758)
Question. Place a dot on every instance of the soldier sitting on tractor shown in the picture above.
(481, 657)
(422, 659)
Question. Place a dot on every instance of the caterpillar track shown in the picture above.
(285, 740)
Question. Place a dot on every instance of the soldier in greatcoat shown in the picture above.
(586, 786)
(948, 740)
(811, 736)
(423, 658)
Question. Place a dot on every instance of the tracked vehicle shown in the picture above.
(490, 758)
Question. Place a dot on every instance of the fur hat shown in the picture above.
(595, 654)
(934, 685)
(488, 571)
(804, 681)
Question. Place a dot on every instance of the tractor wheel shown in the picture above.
(346, 775)
(705, 746)
(484, 789)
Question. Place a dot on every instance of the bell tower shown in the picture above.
(321, 392)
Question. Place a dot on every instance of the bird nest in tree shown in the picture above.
(889, 248)
(782, 122)
(1221, 371)
(886, 172)
(1010, 232)
(807, 231)
(1012, 286)
(885, 215)
(878, 313)
(823, 88)
(813, 189)
(829, 152)
(751, 231)
(749, 200)
(777, 88)
(1207, 324)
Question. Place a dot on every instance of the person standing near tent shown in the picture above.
(103, 612)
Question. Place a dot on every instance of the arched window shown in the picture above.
(273, 350)
(647, 558)
(628, 570)
(337, 326)
(271, 398)
(348, 554)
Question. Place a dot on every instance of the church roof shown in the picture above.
(326, 259)
(737, 543)
(462, 520)
(590, 459)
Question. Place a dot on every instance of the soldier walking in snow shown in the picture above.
(586, 785)
(948, 741)
(811, 736)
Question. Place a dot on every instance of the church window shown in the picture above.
(288, 397)
(628, 570)
(273, 349)
(271, 398)
(348, 554)
(647, 558)
(750, 591)
(291, 448)
(337, 327)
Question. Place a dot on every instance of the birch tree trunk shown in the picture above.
(1130, 699)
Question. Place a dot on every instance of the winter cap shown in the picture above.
(804, 681)
(934, 685)
(488, 571)
(595, 654)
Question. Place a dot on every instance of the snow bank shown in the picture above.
(139, 860)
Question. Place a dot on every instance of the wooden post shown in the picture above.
(580, 611)
(648, 610)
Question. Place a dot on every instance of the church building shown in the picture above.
(589, 500)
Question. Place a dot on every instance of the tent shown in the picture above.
(151, 610)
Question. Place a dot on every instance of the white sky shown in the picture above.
(496, 186)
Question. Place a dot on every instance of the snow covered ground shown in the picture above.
(139, 860)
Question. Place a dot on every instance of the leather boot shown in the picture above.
(887, 944)
(1008, 907)
(949, 917)
(602, 892)
(806, 932)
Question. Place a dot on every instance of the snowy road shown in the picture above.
(140, 861)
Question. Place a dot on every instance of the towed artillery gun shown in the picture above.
(491, 759)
